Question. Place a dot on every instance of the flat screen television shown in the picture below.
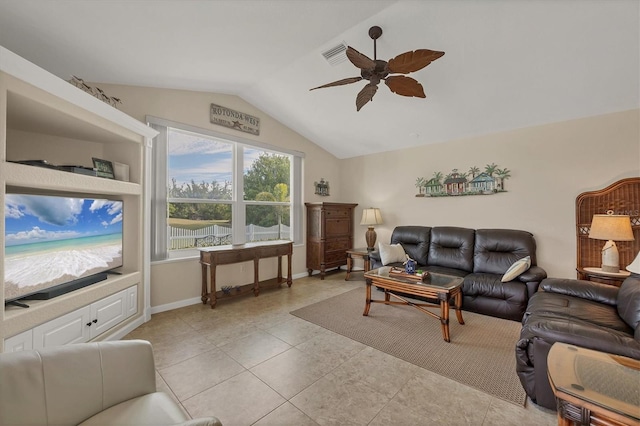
(55, 244)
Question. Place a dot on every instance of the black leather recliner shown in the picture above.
(582, 313)
(481, 257)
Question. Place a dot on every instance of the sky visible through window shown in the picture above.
(203, 159)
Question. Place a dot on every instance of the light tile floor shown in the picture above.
(250, 362)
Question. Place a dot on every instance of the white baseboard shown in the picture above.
(126, 329)
(195, 300)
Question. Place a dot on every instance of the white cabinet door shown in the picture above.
(19, 342)
(132, 300)
(108, 312)
(70, 328)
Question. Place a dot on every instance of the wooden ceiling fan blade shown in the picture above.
(413, 60)
(365, 95)
(405, 86)
(339, 82)
(359, 60)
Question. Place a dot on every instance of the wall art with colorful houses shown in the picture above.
(471, 182)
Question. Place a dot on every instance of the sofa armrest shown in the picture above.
(533, 274)
(128, 370)
(78, 380)
(590, 290)
(585, 335)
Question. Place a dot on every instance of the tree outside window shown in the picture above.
(201, 187)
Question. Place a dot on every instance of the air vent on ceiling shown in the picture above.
(336, 54)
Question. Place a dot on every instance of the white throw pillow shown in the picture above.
(391, 253)
(518, 267)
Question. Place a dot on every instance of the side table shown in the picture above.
(594, 388)
(598, 275)
(360, 253)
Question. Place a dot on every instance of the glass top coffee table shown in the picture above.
(438, 287)
(594, 387)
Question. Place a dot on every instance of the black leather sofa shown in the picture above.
(480, 256)
(582, 313)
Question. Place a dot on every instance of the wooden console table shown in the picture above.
(212, 256)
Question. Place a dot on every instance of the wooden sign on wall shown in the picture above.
(232, 119)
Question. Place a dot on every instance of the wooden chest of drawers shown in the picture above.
(329, 235)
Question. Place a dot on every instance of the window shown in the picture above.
(201, 200)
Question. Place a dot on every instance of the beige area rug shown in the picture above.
(481, 353)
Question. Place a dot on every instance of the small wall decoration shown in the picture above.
(94, 91)
(471, 182)
(322, 187)
(227, 117)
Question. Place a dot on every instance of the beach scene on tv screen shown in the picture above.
(52, 240)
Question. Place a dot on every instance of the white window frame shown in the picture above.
(158, 191)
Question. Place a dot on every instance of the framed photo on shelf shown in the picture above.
(104, 168)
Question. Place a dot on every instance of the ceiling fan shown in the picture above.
(375, 70)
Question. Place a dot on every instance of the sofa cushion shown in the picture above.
(589, 290)
(391, 253)
(414, 240)
(516, 269)
(497, 249)
(452, 247)
(561, 307)
(445, 271)
(629, 303)
(580, 333)
(486, 294)
(489, 285)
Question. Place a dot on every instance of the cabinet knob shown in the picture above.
(89, 324)
(95, 321)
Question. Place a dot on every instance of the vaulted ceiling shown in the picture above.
(508, 64)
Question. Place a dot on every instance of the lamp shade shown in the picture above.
(634, 267)
(371, 216)
(611, 227)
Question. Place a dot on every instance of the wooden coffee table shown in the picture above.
(440, 287)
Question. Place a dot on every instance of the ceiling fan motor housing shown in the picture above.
(380, 71)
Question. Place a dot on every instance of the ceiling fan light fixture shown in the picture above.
(375, 70)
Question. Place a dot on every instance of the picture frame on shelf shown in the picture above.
(104, 168)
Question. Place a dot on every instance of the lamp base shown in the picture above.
(370, 236)
(610, 257)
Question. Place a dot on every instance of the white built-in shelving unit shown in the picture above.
(43, 117)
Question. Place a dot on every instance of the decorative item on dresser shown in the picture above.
(622, 198)
(329, 235)
(370, 217)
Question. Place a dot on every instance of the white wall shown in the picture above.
(550, 166)
(175, 281)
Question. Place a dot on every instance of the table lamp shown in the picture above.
(370, 217)
(612, 228)
(634, 267)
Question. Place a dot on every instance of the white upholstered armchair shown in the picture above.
(104, 383)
